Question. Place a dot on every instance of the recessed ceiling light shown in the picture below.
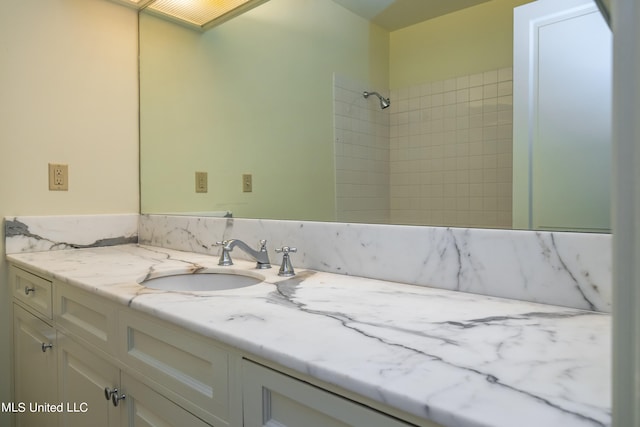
(199, 14)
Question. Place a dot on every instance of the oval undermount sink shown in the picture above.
(200, 282)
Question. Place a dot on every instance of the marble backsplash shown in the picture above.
(566, 269)
(51, 233)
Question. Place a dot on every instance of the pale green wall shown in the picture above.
(470, 41)
(254, 95)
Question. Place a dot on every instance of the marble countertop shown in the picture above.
(458, 359)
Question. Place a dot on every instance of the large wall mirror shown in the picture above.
(277, 94)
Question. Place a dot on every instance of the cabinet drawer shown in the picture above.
(192, 371)
(147, 408)
(272, 398)
(32, 290)
(86, 316)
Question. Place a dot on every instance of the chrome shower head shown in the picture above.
(384, 102)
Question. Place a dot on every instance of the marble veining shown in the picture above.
(568, 269)
(459, 359)
(51, 233)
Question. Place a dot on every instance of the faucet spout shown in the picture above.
(260, 255)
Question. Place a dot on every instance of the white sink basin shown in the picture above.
(207, 281)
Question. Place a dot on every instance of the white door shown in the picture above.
(562, 116)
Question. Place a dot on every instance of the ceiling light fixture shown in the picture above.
(198, 14)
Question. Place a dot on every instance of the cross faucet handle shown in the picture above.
(225, 256)
(286, 269)
(286, 250)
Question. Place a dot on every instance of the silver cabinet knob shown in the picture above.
(108, 392)
(115, 399)
(28, 290)
(45, 346)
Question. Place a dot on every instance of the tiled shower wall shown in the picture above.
(361, 132)
(451, 151)
(440, 155)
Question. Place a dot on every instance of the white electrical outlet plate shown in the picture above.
(58, 177)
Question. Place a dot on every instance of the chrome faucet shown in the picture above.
(260, 256)
(286, 269)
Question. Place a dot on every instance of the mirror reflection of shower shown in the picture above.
(384, 102)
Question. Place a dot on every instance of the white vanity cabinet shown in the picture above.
(274, 399)
(110, 365)
(66, 344)
(86, 379)
(34, 349)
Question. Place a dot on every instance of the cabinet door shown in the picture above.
(82, 382)
(189, 370)
(35, 377)
(143, 407)
(275, 399)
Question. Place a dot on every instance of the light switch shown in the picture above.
(202, 185)
(247, 183)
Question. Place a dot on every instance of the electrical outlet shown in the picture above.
(202, 185)
(247, 183)
(58, 177)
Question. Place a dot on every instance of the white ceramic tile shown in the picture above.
(437, 87)
(476, 93)
(476, 80)
(449, 97)
(462, 82)
(490, 77)
(490, 91)
(367, 129)
(505, 74)
(425, 89)
(505, 88)
(415, 91)
(450, 85)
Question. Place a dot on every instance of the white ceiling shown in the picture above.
(395, 14)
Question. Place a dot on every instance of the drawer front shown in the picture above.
(192, 371)
(86, 316)
(146, 408)
(32, 290)
(272, 398)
